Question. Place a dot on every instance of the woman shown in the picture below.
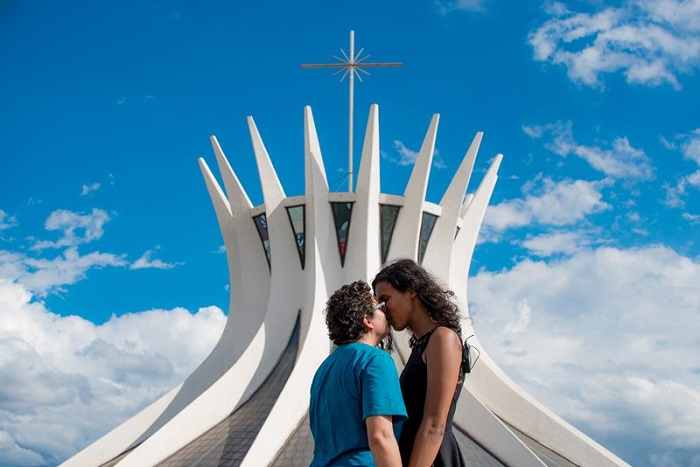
(432, 378)
(356, 406)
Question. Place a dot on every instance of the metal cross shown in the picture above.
(351, 65)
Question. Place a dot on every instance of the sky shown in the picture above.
(584, 283)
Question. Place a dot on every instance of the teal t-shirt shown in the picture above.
(356, 381)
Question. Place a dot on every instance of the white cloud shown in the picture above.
(75, 228)
(447, 6)
(675, 194)
(692, 218)
(145, 262)
(533, 132)
(408, 156)
(521, 324)
(438, 162)
(87, 189)
(694, 179)
(15, 455)
(7, 221)
(667, 144)
(11, 265)
(46, 275)
(42, 276)
(555, 243)
(549, 203)
(620, 161)
(607, 339)
(684, 15)
(651, 42)
(689, 146)
(59, 375)
(633, 216)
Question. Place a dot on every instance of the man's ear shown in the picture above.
(367, 322)
(412, 293)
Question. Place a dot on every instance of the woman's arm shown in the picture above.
(382, 443)
(443, 357)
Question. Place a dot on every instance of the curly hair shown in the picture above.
(345, 310)
(404, 274)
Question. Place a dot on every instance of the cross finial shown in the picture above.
(351, 65)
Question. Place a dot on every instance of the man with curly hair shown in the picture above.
(356, 408)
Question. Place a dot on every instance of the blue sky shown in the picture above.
(113, 284)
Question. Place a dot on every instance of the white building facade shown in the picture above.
(247, 403)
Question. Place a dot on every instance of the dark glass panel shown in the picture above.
(342, 213)
(298, 451)
(387, 221)
(297, 217)
(426, 229)
(261, 225)
(228, 442)
(472, 452)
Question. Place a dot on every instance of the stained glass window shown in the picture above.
(426, 229)
(341, 217)
(387, 221)
(297, 217)
(261, 225)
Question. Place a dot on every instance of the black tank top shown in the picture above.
(414, 385)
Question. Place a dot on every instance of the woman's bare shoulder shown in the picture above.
(445, 338)
(445, 333)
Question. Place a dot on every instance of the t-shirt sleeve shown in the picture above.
(381, 392)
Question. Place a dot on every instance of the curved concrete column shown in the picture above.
(438, 253)
(293, 402)
(404, 243)
(493, 388)
(259, 357)
(248, 269)
(483, 427)
(362, 256)
(120, 438)
(286, 278)
(471, 416)
(467, 200)
(509, 402)
(465, 240)
(243, 321)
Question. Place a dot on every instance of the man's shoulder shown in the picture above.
(363, 354)
(369, 351)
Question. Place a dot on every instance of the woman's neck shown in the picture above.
(421, 322)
